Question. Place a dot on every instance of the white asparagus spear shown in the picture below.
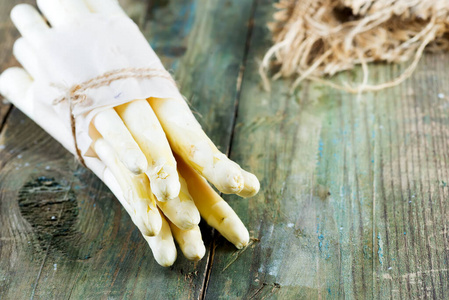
(252, 185)
(114, 131)
(28, 21)
(182, 210)
(213, 208)
(136, 190)
(190, 142)
(163, 246)
(24, 53)
(59, 12)
(109, 7)
(144, 126)
(14, 85)
(190, 242)
(111, 182)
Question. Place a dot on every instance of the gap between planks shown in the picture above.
(5, 118)
(239, 83)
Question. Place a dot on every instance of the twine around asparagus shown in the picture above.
(76, 94)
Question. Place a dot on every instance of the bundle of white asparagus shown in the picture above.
(91, 80)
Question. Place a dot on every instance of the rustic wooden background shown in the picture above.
(354, 198)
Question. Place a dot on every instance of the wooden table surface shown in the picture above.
(354, 197)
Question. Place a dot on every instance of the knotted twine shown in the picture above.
(76, 95)
(318, 38)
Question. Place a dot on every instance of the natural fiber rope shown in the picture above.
(76, 94)
(313, 39)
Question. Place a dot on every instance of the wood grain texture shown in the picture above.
(354, 198)
(63, 235)
(354, 188)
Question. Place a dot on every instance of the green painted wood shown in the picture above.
(63, 235)
(354, 196)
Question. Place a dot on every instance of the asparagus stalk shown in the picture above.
(252, 185)
(15, 84)
(213, 208)
(190, 242)
(28, 21)
(144, 126)
(163, 246)
(189, 141)
(112, 129)
(182, 210)
(25, 55)
(135, 189)
(62, 12)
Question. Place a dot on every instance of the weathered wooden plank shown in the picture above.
(415, 204)
(62, 233)
(8, 34)
(354, 195)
